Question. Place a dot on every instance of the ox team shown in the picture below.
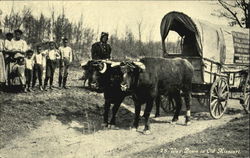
(144, 80)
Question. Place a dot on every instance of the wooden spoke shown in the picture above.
(216, 89)
(214, 104)
(219, 94)
(167, 104)
(220, 84)
(225, 94)
(223, 107)
(214, 96)
(203, 101)
(214, 101)
(219, 108)
(223, 88)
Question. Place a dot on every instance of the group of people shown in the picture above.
(22, 66)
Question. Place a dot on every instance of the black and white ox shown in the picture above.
(152, 77)
(106, 77)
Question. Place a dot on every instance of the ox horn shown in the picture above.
(140, 65)
(104, 68)
(106, 61)
(84, 63)
(113, 64)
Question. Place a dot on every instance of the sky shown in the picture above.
(109, 16)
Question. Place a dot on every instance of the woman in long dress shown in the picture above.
(2, 65)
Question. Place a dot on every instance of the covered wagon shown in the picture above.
(219, 55)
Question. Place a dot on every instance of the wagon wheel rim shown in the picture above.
(246, 95)
(167, 104)
(219, 95)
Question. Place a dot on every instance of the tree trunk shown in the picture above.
(247, 17)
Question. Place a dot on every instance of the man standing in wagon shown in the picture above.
(101, 50)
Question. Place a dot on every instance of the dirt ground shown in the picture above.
(67, 124)
(226, 141)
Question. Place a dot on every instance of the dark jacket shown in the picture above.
(100, 51)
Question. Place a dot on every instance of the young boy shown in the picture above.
(38, 67)
(52, 55)
(29, 63)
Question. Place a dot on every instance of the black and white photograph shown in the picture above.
(124, 79)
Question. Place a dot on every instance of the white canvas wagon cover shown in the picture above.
(222, 44)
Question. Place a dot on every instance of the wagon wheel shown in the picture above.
(246, 95)
(167, 104)
(219, 94)
(204, 101)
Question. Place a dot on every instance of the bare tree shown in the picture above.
(140, 26)
(236, 11)
(140, 29)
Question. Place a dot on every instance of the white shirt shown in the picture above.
(29, 63)
(1, 45)
(66, 52)
(38, 58)
(19, 45)
(7, 45)
(53, 54)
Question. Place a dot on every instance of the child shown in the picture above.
(38, 67)
(29, 63)
(52, 55)
(17, 74)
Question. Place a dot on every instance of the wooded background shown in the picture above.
(81, 37)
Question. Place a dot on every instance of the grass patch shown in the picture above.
(22, 112)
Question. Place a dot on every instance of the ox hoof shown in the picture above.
(104, 125)
(113, 127)
(157, 115)
(188, 123)
(173, 122)
(146, 132)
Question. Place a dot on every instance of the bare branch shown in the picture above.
(234, 14)
(228, 4)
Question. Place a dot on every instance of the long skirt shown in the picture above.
(17, 75)
(2, 69)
